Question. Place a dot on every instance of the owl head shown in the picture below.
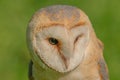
(58, 37)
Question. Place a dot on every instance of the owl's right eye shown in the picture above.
(53, 41)
(79, 36)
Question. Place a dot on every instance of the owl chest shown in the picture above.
(43, 74)
(40, 74)
(52, 75)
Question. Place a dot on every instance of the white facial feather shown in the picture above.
(72, 50)
(64, 46)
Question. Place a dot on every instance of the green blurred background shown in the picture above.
(14, 17)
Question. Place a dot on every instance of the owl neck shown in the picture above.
(44, 73)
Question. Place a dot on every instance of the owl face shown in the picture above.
(58, 41)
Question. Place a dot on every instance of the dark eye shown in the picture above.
(53, 41)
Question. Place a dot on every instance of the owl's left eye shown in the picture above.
(53, 41)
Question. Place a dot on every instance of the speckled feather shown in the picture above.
(92, 65)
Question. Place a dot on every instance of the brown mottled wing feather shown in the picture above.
(103, 71)
(30, 71)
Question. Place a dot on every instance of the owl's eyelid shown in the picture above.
(77, 38)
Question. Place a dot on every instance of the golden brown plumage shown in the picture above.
(75, 52)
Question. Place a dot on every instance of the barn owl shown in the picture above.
(64, 46)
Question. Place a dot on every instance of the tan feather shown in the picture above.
(78, 54)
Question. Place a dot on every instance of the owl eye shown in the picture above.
(53, 41)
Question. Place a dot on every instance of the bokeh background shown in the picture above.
(14, 18)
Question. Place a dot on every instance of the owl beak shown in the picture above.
(68, 53)
(65, 61)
